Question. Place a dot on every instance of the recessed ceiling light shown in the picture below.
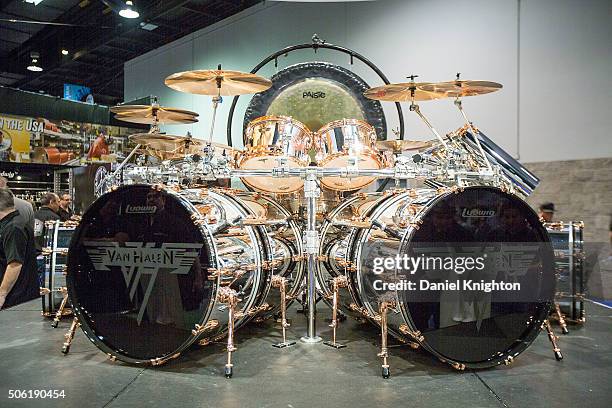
(34, 64)
(128, 11)
(34, 2)
(148, 26)
(64, 52)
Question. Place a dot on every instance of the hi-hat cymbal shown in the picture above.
(161, 141)
(398, 146)
(402, 92)
(152, 114)
(213, 82)
(460, 88)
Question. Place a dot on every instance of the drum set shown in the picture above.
(170, 255)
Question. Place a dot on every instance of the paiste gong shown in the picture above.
(317, 93)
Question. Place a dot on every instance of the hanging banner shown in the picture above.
(39, 140)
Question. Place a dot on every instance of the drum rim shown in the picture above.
(91, 333)
(278, 118)
(518, 346)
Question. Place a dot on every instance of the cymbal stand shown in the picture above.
(281, 283)
(337, 283)
(415, 108)
(459, 106)
(215, 100)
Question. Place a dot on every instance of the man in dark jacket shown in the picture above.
(64, 210)
(18, 277)
(49, 205)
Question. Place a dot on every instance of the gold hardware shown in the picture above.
(159, 361)
(229, 297)
(414, 334)
(384, 352)
(458, 366)
(69, 336)
(253, 311)
(199, 329)
(111, 357)
(337, 283)
(553, 340)
(281, 283)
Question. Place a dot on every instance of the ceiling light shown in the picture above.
(64, 52)
(34, 64)
(128, 11)
(34, 2)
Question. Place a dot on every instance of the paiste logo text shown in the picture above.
(142, 258)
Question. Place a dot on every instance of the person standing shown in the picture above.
(26, 212)
(64, 211)
(18, 280)
(547, 212)
(49, 206)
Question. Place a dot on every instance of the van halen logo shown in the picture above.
(136, 259)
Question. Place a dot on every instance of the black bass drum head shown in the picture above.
(137, 274)
(468, 242)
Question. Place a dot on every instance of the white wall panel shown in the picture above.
(559, 40)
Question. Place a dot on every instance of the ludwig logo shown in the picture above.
(136, 259)
(477, 213)
(140, 209)
(313, 95)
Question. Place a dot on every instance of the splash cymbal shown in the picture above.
(402, 92)
(152, 114)
(213, 82)
(461, 88)
(398, 146)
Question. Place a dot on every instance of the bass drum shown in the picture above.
(146, 265)
(415, 256)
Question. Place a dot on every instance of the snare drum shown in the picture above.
(346, 143)
(271, 142)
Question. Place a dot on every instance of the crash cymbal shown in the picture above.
(207, 82)
(152, 114)
(402, 92)
(398, 146)
(460, 88)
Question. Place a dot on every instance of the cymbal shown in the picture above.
(398, 146)
(221, 146)
(164, 142)
(460, 88)
(402, 92)
(206, 82)
(151, 114)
